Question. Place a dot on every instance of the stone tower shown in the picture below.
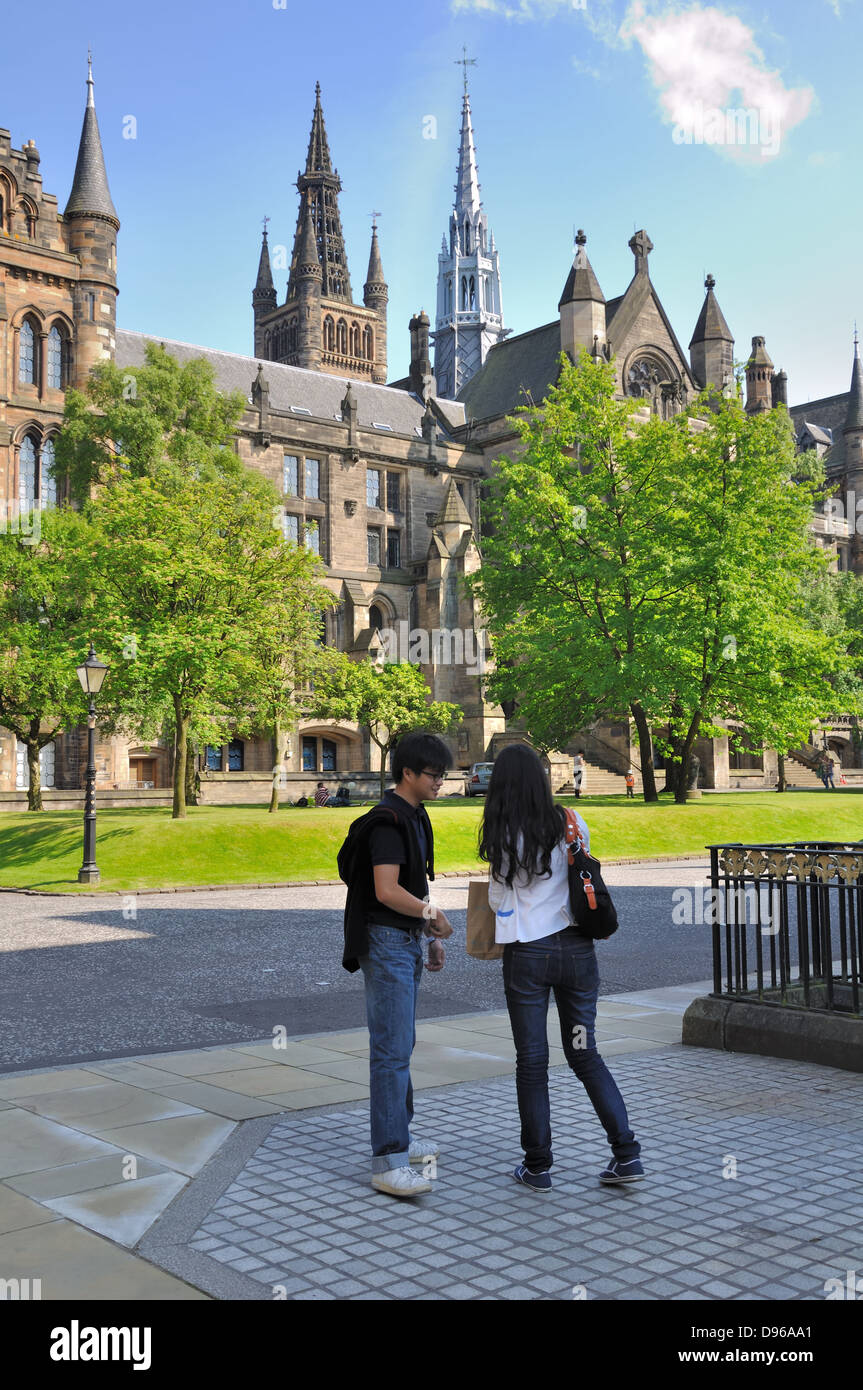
(93, 224)
(319, 326)
(711, 349)
(582, 307)
(469, 319)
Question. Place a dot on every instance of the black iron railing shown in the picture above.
(788, 923)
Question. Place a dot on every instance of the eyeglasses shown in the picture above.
(435, 776)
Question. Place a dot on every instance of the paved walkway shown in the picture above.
(186, 1175)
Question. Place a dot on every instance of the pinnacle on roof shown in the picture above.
(453, 508)
(759, 357)
(581, 282)
(90, 192)
(854, 415)
(711, 321)
(376, 270)
(318, 157)
(264, 287)
(308, 262)
(467, 200)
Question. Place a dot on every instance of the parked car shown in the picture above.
(477, 779)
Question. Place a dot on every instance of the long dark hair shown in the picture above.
(519, 802)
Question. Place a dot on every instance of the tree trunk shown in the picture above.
(34, 792)
(280, 740)
(191, 770)
(180, 742)
(648, 777)
(781, 784)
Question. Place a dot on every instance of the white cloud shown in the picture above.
(708, 70)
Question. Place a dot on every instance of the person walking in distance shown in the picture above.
(387, 861)
(629, 779)
(522, 840)
(578, 772)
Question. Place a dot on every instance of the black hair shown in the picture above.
(519, 802)
(418, 751)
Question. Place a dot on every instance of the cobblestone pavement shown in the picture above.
(752, 1193)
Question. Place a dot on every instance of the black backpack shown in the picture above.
(593, 912)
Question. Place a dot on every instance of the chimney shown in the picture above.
(420, 378)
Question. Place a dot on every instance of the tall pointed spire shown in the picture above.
(854, 414)
(264, 287)
(375, 277)
(467, 200)
(90, 193)
(711, 348)
(318, 157)
(321, 185)
(581, 282)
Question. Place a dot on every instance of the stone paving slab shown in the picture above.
(766, 1205)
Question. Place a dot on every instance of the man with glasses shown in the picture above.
(398, 914)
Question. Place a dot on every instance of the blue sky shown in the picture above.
(606, 115)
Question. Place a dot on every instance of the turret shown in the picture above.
(264, 297)
(582, 306)
(307, 280)
(711, 349)
(420, 378)
(93, 225)
(759, 378)
(375, 296)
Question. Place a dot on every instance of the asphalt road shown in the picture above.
(82, 979)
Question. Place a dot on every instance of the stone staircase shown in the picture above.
(601, 779)
(800, 771)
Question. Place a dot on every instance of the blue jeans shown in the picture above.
(392, 970)
(566, 964)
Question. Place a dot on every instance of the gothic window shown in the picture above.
(342, 337)
(448, 309)
(313, 478)
(373, 487)
(368, 344)
(310, 754)
(376, 618)
(55, 358)
(292, 335)
(214, 758)
(328, 755)
(464, 291)
(393, 492)
(27, 354)
(466, 246)
(393, 550)
(355, 340)
(290, 481)
(472, 293)
(290, 527)
(47, 481)
(329, 334)
(235, 755)
(267, 341)
(645, 377)
(313, 537)
(27, 474)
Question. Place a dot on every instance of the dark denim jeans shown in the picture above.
(392, 970)
(566, 964)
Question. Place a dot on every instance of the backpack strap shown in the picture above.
(573, 835)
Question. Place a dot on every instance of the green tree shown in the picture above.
(390, 700)
(42, 638)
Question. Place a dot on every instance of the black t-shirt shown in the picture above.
(387, 846)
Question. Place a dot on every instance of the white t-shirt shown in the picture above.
(536, 907)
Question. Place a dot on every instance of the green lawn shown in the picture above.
(145, 848)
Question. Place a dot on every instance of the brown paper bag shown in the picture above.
(480, 923)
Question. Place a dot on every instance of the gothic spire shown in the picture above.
(90, 193)
(320, 186)
(467, 200)
(307, 261)
(711, 321)
(318, 157)
(854, 415)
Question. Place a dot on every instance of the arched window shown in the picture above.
(472, 293)
(466, 246)
(464, 291)
(342, 337)
(267, 345)
(376, 618)
(368, 344)
(27, 354)
(329, 334)
(55, 358)
(448, 309)
(27, 474)
(47, 481)
(355, 340)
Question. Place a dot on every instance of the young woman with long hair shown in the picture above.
(522, 839)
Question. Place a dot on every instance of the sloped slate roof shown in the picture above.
(515, 369)
(315, 392)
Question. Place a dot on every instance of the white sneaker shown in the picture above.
(401, 1182)
(421, 1150)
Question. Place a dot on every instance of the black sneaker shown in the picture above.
(617, 1172)
(537, 1182)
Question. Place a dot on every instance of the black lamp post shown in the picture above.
(91, 674)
